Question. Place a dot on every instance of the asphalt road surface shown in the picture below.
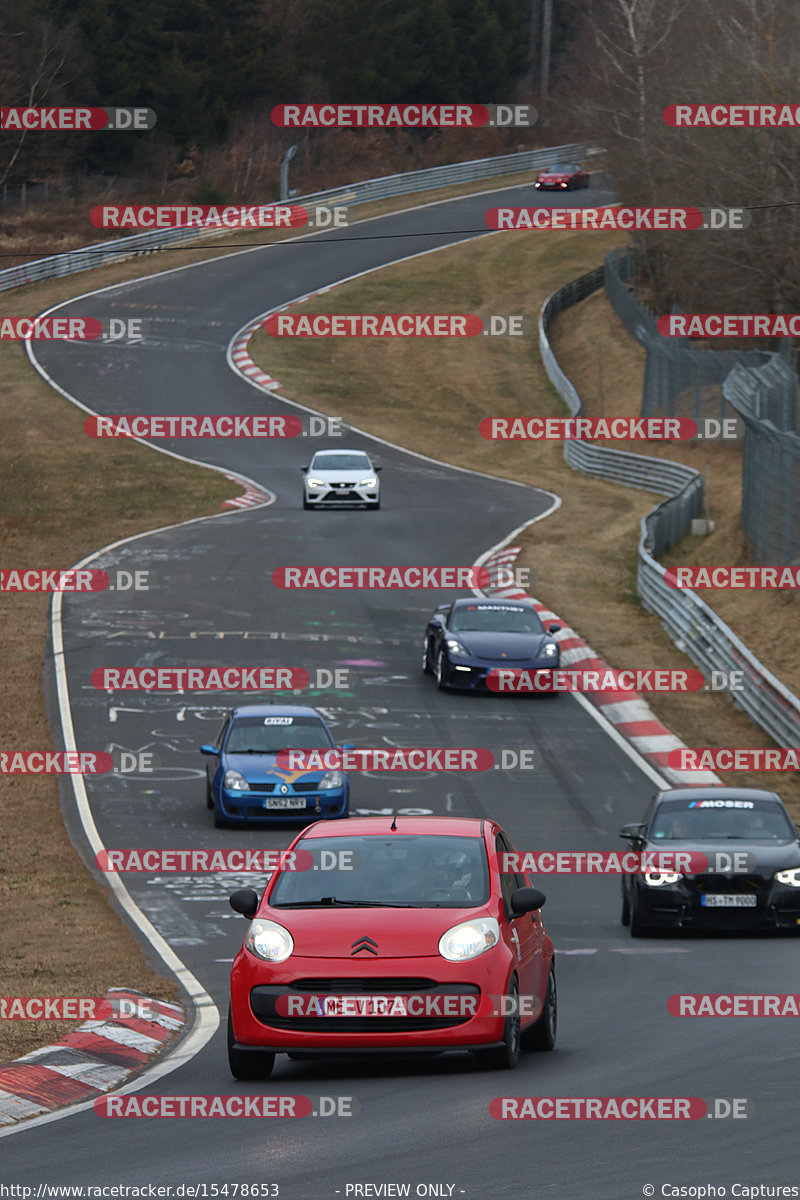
(420, 1122)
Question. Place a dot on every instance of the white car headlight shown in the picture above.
(660, 878)
(331, 779)
(315, 483)
(369, 483)
(549, 650)
(456, 648)
(235, 782)
(792, 876)
(268, 940)
(469, 939)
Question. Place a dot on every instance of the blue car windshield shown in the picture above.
(268, 735)
(495, 618)
(418, 871)
(721, 820)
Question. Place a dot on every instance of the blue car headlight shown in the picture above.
(233, 781)
(456, 649)
(548, 650)
(331, 780)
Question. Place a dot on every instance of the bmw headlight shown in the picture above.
(315, 483)
(469, 939)
(660, 878)
(268, 940)
(456, 648)
(330, 780)
(792, 876)
(549, 650)
(234, 782)
(369, 483)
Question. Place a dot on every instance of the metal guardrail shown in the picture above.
(693, 626)
(352, 193)
(680, 380)
(767, 393)
(766, 400)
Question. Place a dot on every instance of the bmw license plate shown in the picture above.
(285, 802)
(719, 901)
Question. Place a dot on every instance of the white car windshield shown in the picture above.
(341, 462)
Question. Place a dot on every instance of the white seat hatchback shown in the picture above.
(341, 478)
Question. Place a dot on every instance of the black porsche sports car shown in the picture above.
(752, 880)
(468, 638)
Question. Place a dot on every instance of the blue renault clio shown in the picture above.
(244, 781)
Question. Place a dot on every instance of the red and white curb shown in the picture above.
(630, 715)
(93, 1059)
(245, 364)
(253, 495)
(240, 355)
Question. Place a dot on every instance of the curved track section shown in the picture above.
(211, 603)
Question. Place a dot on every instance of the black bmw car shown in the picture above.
(467, 638)
(752, 880)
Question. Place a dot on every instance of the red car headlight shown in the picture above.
(269, 941)
(469, 939)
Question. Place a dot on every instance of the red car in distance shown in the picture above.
(563, 177)
(392, 934)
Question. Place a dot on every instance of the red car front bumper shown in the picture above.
(260, 992)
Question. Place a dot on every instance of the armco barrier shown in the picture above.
(693, 626)
(348, 194)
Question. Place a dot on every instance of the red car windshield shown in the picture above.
(415, 871)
